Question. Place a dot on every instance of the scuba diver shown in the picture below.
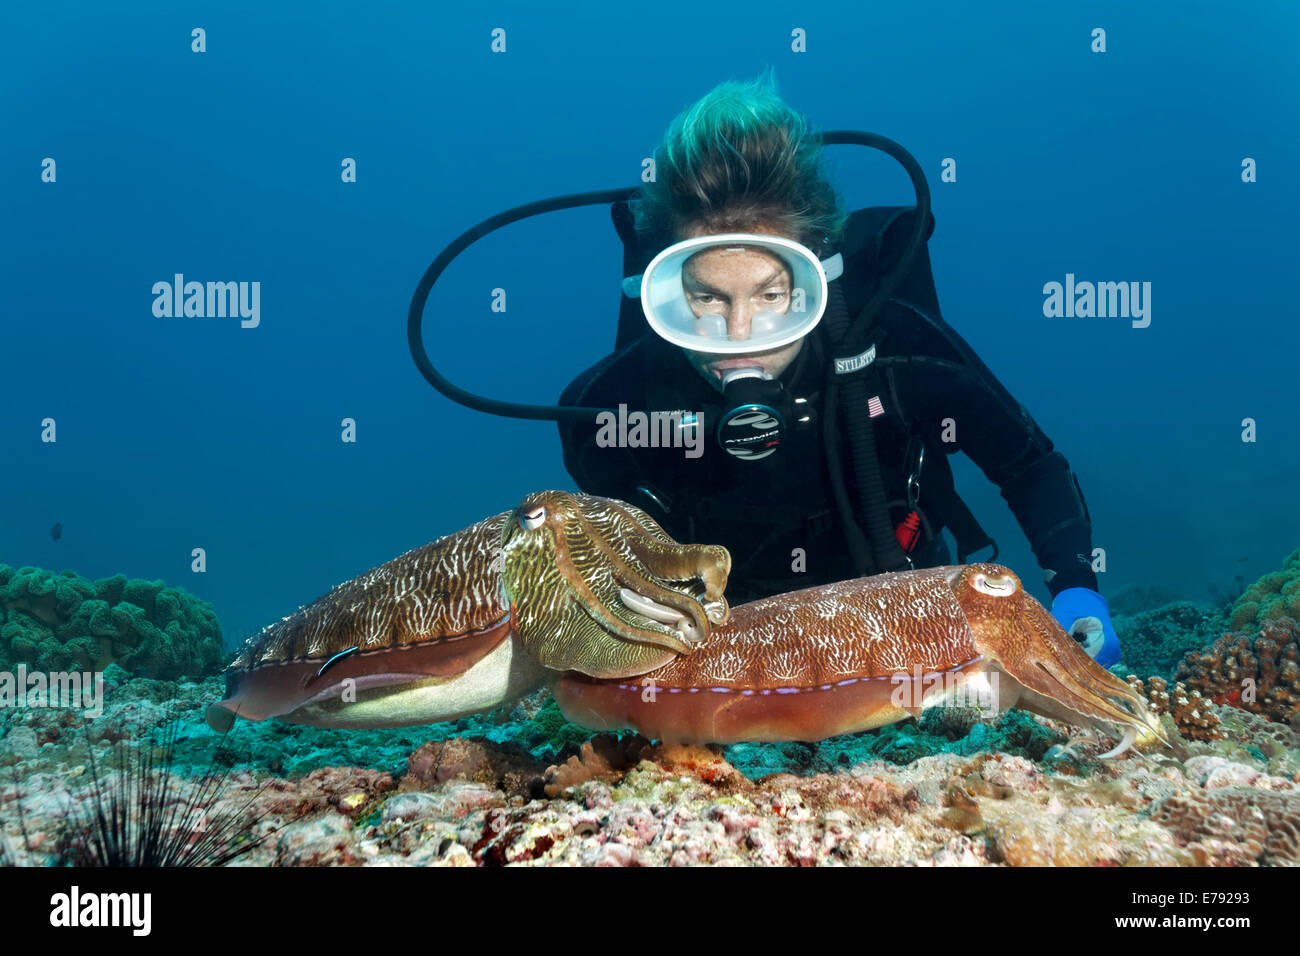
(741, 216)
(806, 390)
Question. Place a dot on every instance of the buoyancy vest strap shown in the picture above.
(876, 549)
(631, 320)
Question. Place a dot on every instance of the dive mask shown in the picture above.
(671, 299)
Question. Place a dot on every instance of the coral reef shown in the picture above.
(62, 622)
(1260, 675)
(1273, 596)
(1137, 598)
(1235, 826)
(1154, 641)
(951, 789)
(1192, 714)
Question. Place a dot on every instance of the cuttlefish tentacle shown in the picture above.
(860, 654)
(445, 630)
(585, 598)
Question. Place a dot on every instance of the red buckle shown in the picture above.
(909, 532)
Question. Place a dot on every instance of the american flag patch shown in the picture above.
(874, 408)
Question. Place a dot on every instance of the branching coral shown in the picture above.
(1260, 675)
(1192, 713)
(63, 622)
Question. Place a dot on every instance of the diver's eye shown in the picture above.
(532, 518)
(773, 296)
(705, 298)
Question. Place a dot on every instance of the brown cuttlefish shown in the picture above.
(632, 631)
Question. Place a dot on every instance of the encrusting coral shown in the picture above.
(63, 622)
(1191, 712)
(1237, 826)
(1260, 675)
(1273, 596)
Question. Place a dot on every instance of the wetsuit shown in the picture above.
(777, 515)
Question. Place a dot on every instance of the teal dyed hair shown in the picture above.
(738, 158)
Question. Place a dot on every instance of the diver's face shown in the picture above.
(736, 282)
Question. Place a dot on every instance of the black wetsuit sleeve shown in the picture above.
(595, 470)
(956, 396)
(608, 472)
(605, 471)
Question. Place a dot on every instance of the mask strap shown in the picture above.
(833, 267)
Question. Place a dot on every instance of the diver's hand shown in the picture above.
(1086, 616)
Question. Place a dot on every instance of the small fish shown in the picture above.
(57, 531)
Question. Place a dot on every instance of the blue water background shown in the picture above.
(182, 433)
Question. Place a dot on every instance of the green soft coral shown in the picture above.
(1273, 596)
(64, 622)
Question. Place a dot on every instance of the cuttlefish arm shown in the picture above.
(597, 587)
(860, 654)
(473, 619)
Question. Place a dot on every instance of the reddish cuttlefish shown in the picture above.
(632, 631)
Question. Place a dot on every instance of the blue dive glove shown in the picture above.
(1085, 615)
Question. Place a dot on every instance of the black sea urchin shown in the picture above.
(132, 817)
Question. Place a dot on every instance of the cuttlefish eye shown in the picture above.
(999, 586)
(532, 518)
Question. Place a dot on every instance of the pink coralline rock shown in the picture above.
(1217, 773)
(471, 758)
(614, 854)
(49, 724)
(631, 824)
(347, 790)
(598, 796)
(960, 851)
(1083, 837)
(323, 840)
(20, 742)
(1017, 773)
(659, 815)
(867, 798)
(129, 720)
